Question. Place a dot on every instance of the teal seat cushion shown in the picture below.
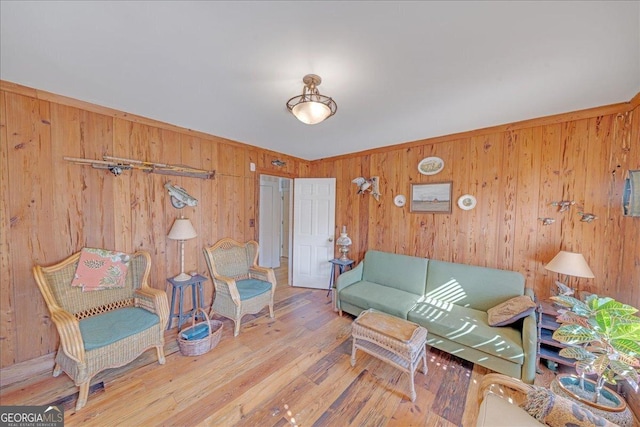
(107, 328)
(249, 288)
(368, 295)
(468, 327)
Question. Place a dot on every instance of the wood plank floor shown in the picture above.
(291, 370)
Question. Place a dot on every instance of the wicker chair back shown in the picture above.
(84, 304)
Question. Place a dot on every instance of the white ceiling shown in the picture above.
(399, 71)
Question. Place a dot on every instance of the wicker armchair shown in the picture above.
(499, 397)
(241, 286)
(70, 308)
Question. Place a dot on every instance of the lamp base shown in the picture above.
(182, 277)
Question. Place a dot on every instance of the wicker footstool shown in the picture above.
(395, 341)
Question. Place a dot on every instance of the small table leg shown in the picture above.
(172, 308)
(425, 369)
(201, 293)
(180, 304)
(353, 353)
(411, 380)
(332, 278)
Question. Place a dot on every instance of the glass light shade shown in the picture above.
(182, 230)
(311, 107)
(343, 240)
(311, 112)
(570, 264)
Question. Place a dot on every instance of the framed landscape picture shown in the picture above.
(431, 198)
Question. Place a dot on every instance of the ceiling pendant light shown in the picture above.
(311, 107)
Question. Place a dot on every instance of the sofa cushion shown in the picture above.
(470, 286)
(403, 272)
(249, 288)
(468, 327)
(368, 295)
(107, 328)
(511, 310)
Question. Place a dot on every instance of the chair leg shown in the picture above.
(236, 328)
(160, 351)
(83, 395)
(271, 310)
(57, 370)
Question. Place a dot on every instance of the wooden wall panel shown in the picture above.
(96, 139)
(121, 195)
(549, 239)
(515, 172)
(527, 197)
(171, 149)
(31, 201)
(52, 208)
(7, 303)
(628, 283)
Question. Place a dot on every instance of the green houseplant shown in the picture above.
(603, 336)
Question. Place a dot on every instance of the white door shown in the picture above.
(270, 222)
(314, 210)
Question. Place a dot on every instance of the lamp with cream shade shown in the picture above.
(569, 264)
(182, 230)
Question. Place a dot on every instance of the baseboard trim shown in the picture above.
(27, 369)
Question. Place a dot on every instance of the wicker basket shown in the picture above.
(200, 346)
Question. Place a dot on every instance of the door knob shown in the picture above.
(331, 239)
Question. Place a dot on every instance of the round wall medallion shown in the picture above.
(467, 202)
(430, 165)
(399, 200)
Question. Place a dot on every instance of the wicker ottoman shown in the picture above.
(395, 341)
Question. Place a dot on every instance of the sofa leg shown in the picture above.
(83, 395)
(57, 370)
(340, 313)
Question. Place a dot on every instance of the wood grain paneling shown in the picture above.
(7, 304)
(51, 207)
(515, 172)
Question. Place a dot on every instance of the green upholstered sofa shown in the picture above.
(450, 300)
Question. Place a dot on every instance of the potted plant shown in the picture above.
(603, 335)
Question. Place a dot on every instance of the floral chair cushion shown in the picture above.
(101, 269)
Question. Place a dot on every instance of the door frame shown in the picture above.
(290, 177)
(317, 241)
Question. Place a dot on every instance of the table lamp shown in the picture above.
(182, 230)
(569, 264)
(344, 242)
